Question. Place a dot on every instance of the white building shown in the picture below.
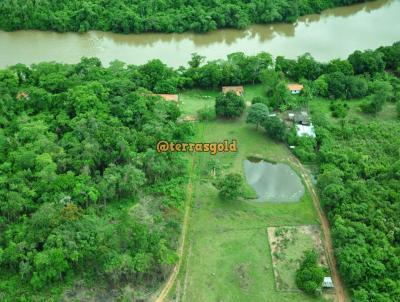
(305, 130)
(327, 283)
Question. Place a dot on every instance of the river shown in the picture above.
(334, 33)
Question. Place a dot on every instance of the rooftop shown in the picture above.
(170, 97)
(327, 282)
(295, 87)
(305, 130)
(237, 89)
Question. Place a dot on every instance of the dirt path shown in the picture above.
(327, 239)
(172, 277)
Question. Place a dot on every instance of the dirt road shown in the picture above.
(163, 294)
(327, 239)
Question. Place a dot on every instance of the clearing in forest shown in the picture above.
(287, 245)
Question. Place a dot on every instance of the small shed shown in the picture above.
(305, 130)
(170, 97)
(295, 88)
(327, 283)
(239, 90)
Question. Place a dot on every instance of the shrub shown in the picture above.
(206, 114)
(398, 109)
(275, 128)
(339, 109)
(259, 100)
(310, 275)
(231, 186)
(229, 105)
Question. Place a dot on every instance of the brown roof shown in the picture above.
(237, 89)
(21, 95)
(189, 118)
(292, 87)
(170, 97)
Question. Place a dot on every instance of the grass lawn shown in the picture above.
(227, 255)
(321, 106)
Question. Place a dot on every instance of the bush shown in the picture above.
(339, 109)
(275, 128)
(229, 105)
(374, 106)
(257, 114)
(398, 109)
(305, 149)
(206, 114)
(310, 275)
(231, 186)
(259, 100)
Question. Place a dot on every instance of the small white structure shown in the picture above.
(327, 283)
(305, 130)
(272, 114)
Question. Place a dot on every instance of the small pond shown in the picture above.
(273, 182)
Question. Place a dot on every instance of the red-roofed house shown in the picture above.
(295, 88)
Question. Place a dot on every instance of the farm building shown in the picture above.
(327, 283)
(305, 130)
(170, 97)
(303, 124)
(22, 95)
(295, 88)
(239, 90)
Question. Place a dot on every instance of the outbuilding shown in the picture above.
(239, 90)
(295, 88)
(170, 97)
(327, 283)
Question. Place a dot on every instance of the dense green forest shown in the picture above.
(85, 196)
(127, 16)
(360, 190)
(83, 193)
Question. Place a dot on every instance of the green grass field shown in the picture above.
(321, 106)
(227, 256)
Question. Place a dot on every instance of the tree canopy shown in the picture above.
(229, 105)
(77, 162)
(127, 16)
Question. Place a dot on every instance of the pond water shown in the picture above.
(334, 33)
(273, 182)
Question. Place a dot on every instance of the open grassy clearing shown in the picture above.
(321, 106)
(227, 255)
(288, 245)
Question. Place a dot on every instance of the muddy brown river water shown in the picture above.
(334, 33)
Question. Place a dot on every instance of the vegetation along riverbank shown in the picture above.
(126, 16)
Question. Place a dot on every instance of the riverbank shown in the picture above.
(124, 16)
(316, 34)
